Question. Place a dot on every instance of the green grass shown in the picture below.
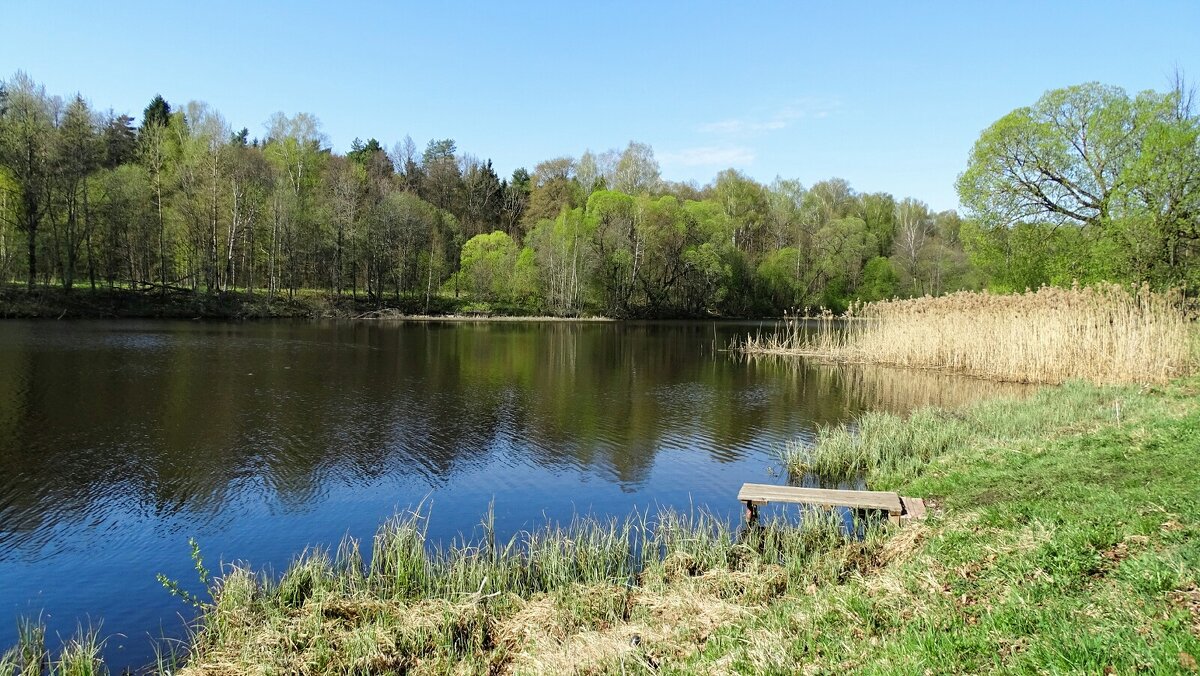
(79, 656)
(877, 444)
(1064, 540)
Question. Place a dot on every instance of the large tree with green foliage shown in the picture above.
(1122, 170)
(27, 137)
(488, 265)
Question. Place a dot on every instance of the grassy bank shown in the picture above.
(591, 595)
(103, 303)
(1063, 538)
(1103, 334)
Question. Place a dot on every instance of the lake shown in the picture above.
(121, 440)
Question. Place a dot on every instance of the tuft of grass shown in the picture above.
(1105, 333)
(878, 443)
(79, 655)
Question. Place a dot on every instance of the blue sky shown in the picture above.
(888, 96)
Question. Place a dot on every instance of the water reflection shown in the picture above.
(886, 388)
(120, 440)
(180, 415)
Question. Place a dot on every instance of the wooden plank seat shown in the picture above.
(754, 495)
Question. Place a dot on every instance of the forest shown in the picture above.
(1089, 183)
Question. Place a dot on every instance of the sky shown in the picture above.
(889, 96)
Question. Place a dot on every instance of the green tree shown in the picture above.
(666, 234)
(879, 213)
(563, 254)
(295, 148)
(124, 207)
(157, 157)
(552, 189)
(363, 153)
(120, 141)
(843, 247)
(248, 176)
(636, 171)
(880, 280)
(347, 183)
(482, 194)
(913, 232)
(156, 114)
(619, 247)
(488, 265)
(9, 246)
(745, 204)
(441, 184)
(27, 134)
(204, 144)
(776, 274)
(77, 152)
(1125, 170)
(514, 198)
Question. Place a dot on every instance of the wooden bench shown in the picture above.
(754, 495)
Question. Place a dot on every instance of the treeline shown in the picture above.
(179, 199)
(1087, 184)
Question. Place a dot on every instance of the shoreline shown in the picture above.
(461, 318)
(102, 303)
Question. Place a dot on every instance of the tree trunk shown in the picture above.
(31, 227)
(162, 236)
(429, 281)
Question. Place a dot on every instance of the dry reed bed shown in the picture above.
(1105, 334)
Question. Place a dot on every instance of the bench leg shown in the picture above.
(751, 514)
(894, 517)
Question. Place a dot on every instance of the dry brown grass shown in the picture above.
(663, 624)
(1105, 334)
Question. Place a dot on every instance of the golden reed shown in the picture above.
(1105, 333)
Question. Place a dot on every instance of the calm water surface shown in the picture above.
(119, 441)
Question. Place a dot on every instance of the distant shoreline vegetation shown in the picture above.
(181, 200)
(17, 302)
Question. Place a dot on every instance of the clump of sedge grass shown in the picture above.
(1105, 334)
(79, 656)
(877, 443)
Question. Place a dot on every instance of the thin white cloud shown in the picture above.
(782, 118)
(723, 127)
(709, 156)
